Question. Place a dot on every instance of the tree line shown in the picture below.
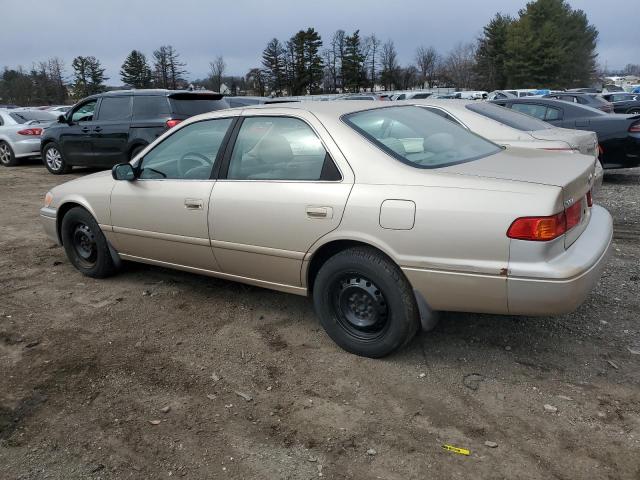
(548, 44)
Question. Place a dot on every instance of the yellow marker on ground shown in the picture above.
(451, 448)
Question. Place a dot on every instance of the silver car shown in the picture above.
(20, 132)
(382, 212)
(514, 129)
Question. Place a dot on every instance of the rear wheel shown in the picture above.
(365, 303)
(7, 157)
(85, 244)
(635, 111)
(54, 160)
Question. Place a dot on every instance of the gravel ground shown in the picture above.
(156, 373)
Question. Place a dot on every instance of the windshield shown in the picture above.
(418, 137)
(512, 119)
(33, 116)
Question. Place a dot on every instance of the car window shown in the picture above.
(420, 96)
(188, 154)
(277, 148)
(538, 111)
(552, 114)
(402, 96)
(150, 107)
(442, 113)
(191, 104)
(511, 118)
(85, 112)
(35, 116)
(115, 108)
(420, 138)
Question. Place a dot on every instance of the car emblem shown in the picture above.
(568, 202)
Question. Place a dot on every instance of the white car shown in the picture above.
(510, 128)
(20, 132)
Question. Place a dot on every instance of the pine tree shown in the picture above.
(273, 61)
(352, 68)
(135, 71)
(88, 75)
(491, 54)
(550, 45)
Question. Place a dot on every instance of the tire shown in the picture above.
(85, 244)
(53, 159)
(365, 303)
(634, 111)
(7, 157)
(136, 151)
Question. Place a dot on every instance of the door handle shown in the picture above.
(85, 130)
(193, 204)
(97, 129)
(319, 212)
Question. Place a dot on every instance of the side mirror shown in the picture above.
(62, 119)
(123, 171)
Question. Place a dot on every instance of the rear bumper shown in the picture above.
(29, 147)
(561, 284)
(49, 222)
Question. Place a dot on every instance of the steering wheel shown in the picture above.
(187, 161)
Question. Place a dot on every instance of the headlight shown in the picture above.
(48, 198)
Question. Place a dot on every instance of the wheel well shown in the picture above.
(327, 251)
(61, 212)
(135, 146)
(45, 143)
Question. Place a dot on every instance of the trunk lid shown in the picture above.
(583, 141)
(574, 174)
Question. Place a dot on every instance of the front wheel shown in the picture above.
(7, 157)
(85, 244)
(54, 160)
(365, 303)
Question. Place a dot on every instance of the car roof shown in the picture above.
(154, 92)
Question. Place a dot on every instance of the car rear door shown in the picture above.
(110, 133)
(161, 216)
(282, 186)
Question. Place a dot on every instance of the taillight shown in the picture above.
(635, 127)
(172, 123)
(573, 214)
(540, 229)
(543, 229)
(34, 132)
(589, 199)
(600, 150)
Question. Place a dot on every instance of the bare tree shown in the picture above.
(256, 81)
(427, 63)
(217, 69)
(460, 65)
(168, 69)
(372, 51)
(338, 46)
(389, 64)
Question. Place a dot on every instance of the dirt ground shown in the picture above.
(156, 373)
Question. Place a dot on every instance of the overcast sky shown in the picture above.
(202, 29)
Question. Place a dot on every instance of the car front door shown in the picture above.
(109, 135)
(161, 216)
(75, 138)
(281, 187)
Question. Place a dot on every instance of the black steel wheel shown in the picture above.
(359, 306)
(365, 303)
(85, 244)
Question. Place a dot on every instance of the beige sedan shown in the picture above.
(384, 213)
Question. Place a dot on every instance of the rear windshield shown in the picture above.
(196, 106)
(512, 119)
(420, 138)
(33, 116)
